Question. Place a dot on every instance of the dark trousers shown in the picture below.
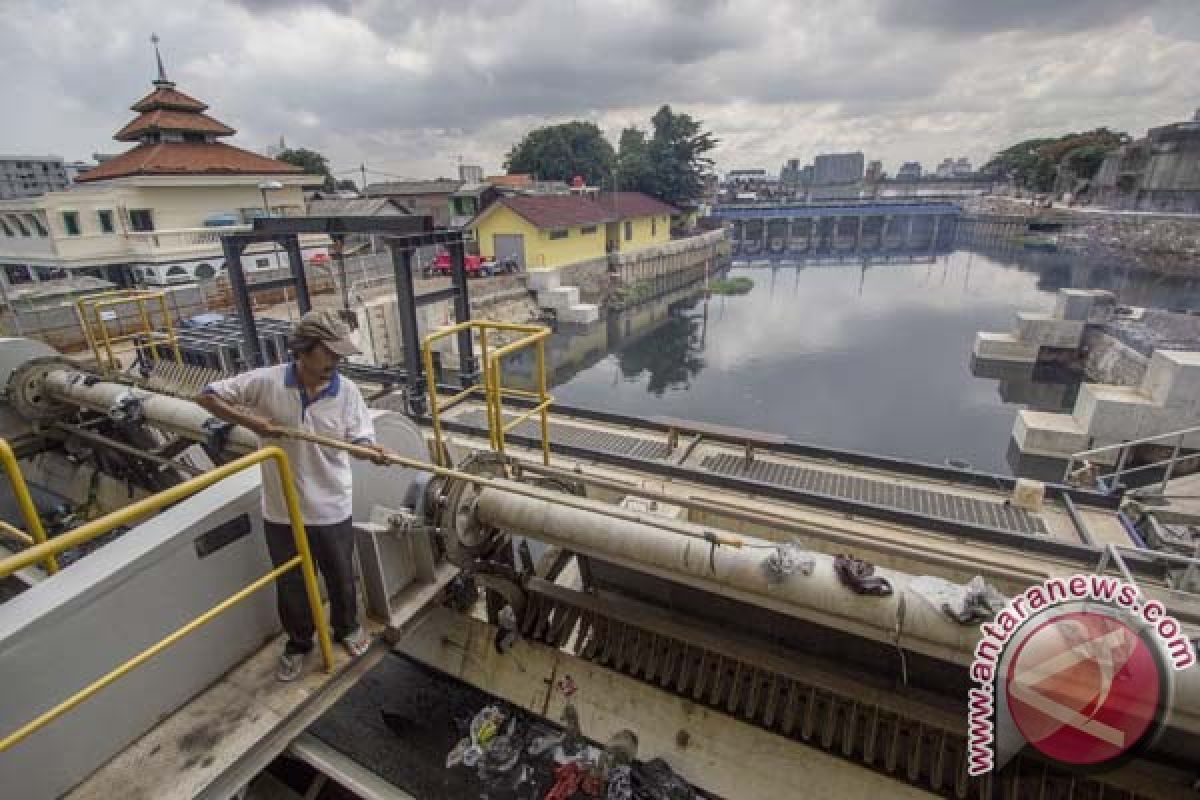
(333, 551)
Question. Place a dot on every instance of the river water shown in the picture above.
(874, 358)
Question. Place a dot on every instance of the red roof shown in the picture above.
(623, 205)
(168, 97)
(186, 158)
(556, 210)
(166, 120)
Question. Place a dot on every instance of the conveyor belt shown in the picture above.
(880, 493)
(579, 436)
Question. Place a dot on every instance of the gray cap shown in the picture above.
(326, 328)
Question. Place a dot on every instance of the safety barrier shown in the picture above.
(493, 389)
(149, 505)
(34, 533)
(91, 310)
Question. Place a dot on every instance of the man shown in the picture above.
(307, 393)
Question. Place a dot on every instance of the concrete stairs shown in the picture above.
(1062, 329)
(1168, 399)
(563, 300)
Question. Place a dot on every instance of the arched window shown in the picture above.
(150, 273)
(138, 275)
(176, 272)
(204, 271)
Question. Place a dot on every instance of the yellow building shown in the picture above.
(153, 214)
(545, 232)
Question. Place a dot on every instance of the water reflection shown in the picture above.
(872, 356)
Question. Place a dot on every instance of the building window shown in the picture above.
(50, 273)
(106, 221)
(17, 273)
(141, 219)
(628, 230)
(561, 233)
(71, 222)
(587, 230)
(262, 263)
(176, 272)
(205, 271)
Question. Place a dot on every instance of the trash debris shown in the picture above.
(567, 686)
(859, 576)
(622, 748)
(567, 779)
(541, 745)
(655, 780)
(506, 630)
(620, 783)
(787, 559)
(972, 603)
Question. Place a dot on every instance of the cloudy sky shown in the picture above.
(410, 86)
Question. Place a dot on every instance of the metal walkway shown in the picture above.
(578, 436)
(880, 493)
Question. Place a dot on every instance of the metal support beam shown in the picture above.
(468, 369)
(415, 378)
(233, 247)
(291, 243)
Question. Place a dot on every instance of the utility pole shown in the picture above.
(363, 169)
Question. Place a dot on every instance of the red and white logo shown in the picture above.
(1084, 688)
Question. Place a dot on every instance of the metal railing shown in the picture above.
(34, 534)
(95, 327)
(146, 506)
(1086, 459)
(493, 388)
(1113, 553)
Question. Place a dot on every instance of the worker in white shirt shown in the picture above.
(307, 393)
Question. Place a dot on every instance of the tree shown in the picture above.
(635, 173)
(561, 152)
(312, 162)
(1035, 163)
(676, 153)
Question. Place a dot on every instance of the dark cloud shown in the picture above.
(993, 16)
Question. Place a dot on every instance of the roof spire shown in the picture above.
(162, 72)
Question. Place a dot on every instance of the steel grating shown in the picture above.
(880, 493)
(579, 436)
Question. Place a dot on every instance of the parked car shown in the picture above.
(475, 266)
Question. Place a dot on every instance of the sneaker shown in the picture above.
(356, 642)
(290, 666)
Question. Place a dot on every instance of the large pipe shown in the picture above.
(181, 417)
(902, 618)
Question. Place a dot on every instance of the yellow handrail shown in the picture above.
(148, 505)
(493, 389)
(33, 522)
(90, 311)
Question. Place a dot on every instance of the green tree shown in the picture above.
(560, 152)
(635, 173)
(312, 162)
(677, 155)
(1034, 163)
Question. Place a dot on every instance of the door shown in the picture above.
(510, 244)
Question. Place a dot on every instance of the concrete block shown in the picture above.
(1111, 412)
(558, 298)
(1173, 377)
(1044, 433)
(1078, 304)
(580, 313)
(1028, 494)
(1003, 347)
(540, 279)
(1047, 331)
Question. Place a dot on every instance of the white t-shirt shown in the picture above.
(323, 476)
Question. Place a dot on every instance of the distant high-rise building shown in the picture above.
(962, 168)
(909, 171)
(806, 175)
(874, 172)
(789, 174)
(838, 168)
(30, 176)
(273, 150)
(469, 173)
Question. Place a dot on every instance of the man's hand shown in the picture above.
(378, 455)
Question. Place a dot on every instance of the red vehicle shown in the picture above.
(475, 266)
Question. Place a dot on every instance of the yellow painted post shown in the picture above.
(148, 327)
(288, 481)
(87, 328)
(434, 410)
(20, 491)
(170, 326)
(541, 370)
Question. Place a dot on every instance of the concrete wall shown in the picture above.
(65, 632)
(1111, 361)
